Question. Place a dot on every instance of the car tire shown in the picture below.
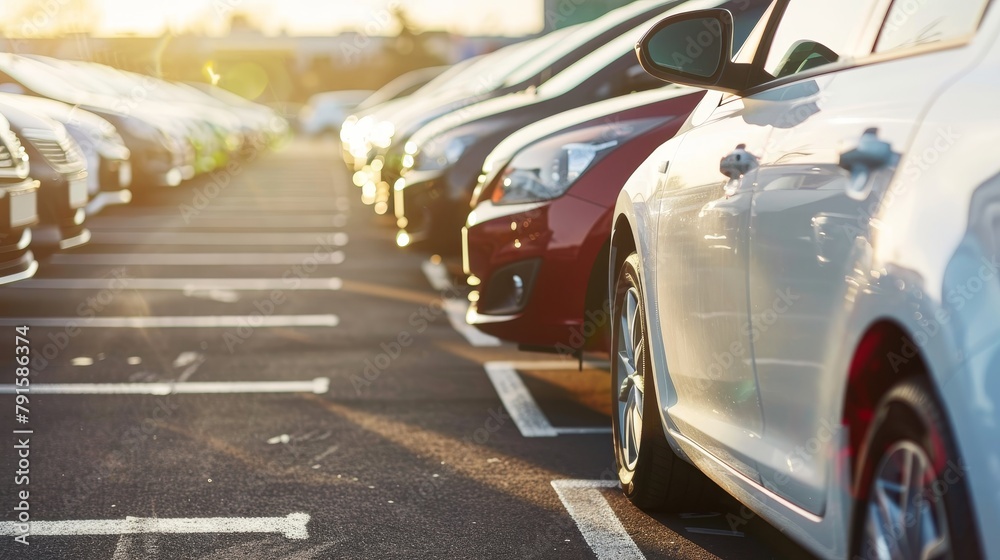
(909, 435)
(652, 476)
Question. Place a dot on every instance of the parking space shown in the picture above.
(272, 378)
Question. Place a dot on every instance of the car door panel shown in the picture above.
(701, 285)
(810, 223)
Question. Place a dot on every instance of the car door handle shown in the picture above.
(871, 155)
(735, 166)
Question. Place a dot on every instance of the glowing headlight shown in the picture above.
(547, 169)
(441, 153)
(381, 134)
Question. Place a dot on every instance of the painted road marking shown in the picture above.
(597, 522)
(437, 275)
(193, 321)
(271, 222)
(456, 309)
(190, 361)
(185, 284)
(564, 364)
(292, 526)
(318, 386)
(198, 259)
(339, 239)
(521, 405)
(516, 398)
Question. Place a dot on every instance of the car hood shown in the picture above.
(476, 112)
(60, 112)
(627, 107)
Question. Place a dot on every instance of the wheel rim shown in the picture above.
(631, 342)
(905, 516)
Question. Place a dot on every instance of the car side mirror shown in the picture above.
(694, 49)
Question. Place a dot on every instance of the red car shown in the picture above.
(535, 246)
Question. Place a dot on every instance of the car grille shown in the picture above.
(6, 159)
(55, 152)
(10, 148)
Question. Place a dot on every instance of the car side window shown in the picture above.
(813, 34)
(914, 23)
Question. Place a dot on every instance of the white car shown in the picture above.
(325, 112)
(806, 279)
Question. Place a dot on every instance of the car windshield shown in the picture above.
(40, 78)
(746, 14)
(579, 37)
(500, 71)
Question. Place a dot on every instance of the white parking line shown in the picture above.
(527, 416)
(437, 275)
(292, 526)
(185, 284)
(522, 407)
(323, 238)
(318, 386)
(197, 259)
(213, 222)
(456, 309)
(564, 364)
(597, 522)
(193, 321)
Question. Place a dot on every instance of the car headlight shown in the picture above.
(547, 169)
(442, 152)
(381, 134)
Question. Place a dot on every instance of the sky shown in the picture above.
(296, 17)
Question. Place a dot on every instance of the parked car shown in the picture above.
(56, 162)
(405, 85)
(264, 127)
(533, 65)
(18, 209)
(109, 171)
(443, 160)
(326, 111)
(367, 129)
(806, 280)
(160, 155)
(535, 246)
(353, 138)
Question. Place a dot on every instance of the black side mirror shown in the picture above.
(695, 49)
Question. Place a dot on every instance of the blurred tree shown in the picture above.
(408, 51)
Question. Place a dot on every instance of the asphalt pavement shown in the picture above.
(247, 367)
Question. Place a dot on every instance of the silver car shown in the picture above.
(806, 280)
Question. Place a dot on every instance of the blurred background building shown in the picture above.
(236, 45)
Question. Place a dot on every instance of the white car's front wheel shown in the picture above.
(651, 474)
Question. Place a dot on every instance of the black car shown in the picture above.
(18, 209)
(443, 160)
(529, 66)
(158, 158)
(56, 162)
